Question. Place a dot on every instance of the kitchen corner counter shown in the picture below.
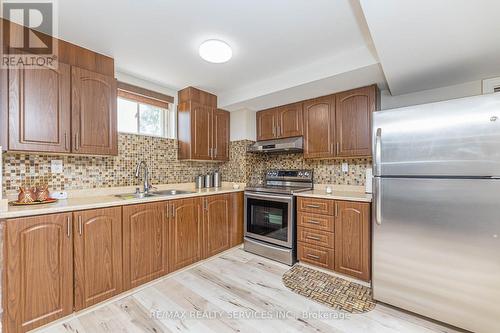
(340, 192)
(106, 197)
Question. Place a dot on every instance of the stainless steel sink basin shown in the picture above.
(163, 193)
(171, 192)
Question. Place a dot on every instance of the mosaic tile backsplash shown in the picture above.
(81, 172)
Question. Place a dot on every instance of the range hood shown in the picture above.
(287, 145)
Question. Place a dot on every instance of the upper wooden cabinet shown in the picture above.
(93, 109)
(352, 239)
(39, 271)
(97, 255)
(145, 243)
(353, 112)
(202, 129)
(319, 127)
(281, 122)
(39, 109)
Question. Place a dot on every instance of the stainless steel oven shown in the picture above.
(270, 214)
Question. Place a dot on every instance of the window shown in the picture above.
(144, 112)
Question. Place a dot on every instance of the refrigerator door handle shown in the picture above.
(378, 152)
(378, 200)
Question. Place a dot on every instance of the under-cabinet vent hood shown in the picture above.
(288, 145)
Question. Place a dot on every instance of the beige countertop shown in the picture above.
(106, 197)
(340, 192)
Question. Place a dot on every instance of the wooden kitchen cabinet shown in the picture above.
(39, 109)
(353, 115)
(203, 130)
(352, 239)
(319, 127)
(97, 255)
(186, 232)
(145, 243)
(281, 122)
(39, 271)
(237, 218)
(93, 111)
(216, 224)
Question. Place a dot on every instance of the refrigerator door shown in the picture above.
(436, 249)
(453, 138)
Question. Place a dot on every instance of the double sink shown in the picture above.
(164, 193)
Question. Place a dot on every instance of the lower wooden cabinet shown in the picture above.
(186, 232)
(237, 211)
(216, 224)
(97, 255)
(335, 235)
(352, 239)
(39, 271)
(145, 243)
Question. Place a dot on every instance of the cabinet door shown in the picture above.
(98, 255)
(266, 124)
(237, 207)
(353, 121)
(352, 239)
(93, 109)
(221, 135)
(39, 109)
(216, 224)
(201, 123)
(39, 271)
(290, 120)
(319, 127)
(145, 243)
(186, 233)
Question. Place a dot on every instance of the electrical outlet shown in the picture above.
(56, 166)
(345, 167)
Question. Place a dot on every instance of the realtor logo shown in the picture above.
(27, 33)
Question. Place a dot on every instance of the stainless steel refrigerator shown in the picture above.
(436, 211)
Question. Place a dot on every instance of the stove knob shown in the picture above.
(306, 174)
(301, 174)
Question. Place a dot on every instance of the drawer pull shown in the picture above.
(312, 256)
(313, 222)
(313, 238)
(312, 206)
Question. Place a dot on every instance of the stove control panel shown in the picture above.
(300, 175)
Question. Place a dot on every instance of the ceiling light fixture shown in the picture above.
(215, 51)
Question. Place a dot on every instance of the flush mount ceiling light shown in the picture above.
(215, 51)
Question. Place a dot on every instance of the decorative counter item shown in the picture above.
(33, 196)
(236, 186)
(42, 193)
(328, 190)
(27, 195)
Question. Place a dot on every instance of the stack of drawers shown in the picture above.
(315, 231)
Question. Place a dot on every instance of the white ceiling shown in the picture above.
(426, 44)
(285, 50)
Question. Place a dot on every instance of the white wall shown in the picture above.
(143, 83)
(243, 125)
(428, 96)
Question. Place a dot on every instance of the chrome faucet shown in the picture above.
(147, 185)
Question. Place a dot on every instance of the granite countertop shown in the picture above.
(101, 198)
(340, 192)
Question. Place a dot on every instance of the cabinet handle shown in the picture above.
(312, 206)
(68, 227)
(77, 143)
(65, 141)
(80, 225)
(313, 222)
(215, 152)
(205, 204)
(167, 211)
(338, 148)
(279, 130)
(312, 256)
(313, 238)
(173, 210)
(336, 209)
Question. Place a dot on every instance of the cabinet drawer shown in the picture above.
(318, 206)
(316, 237)
(316, 221)
(316, 255)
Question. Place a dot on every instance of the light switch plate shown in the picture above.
(56, 166)
(345, 167)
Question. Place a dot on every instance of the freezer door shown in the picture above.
(436, 249)
(460, 137)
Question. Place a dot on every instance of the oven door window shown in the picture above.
(268, 218)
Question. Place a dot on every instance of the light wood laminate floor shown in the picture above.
(240, 292)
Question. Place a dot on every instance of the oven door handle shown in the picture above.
(268, 197)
